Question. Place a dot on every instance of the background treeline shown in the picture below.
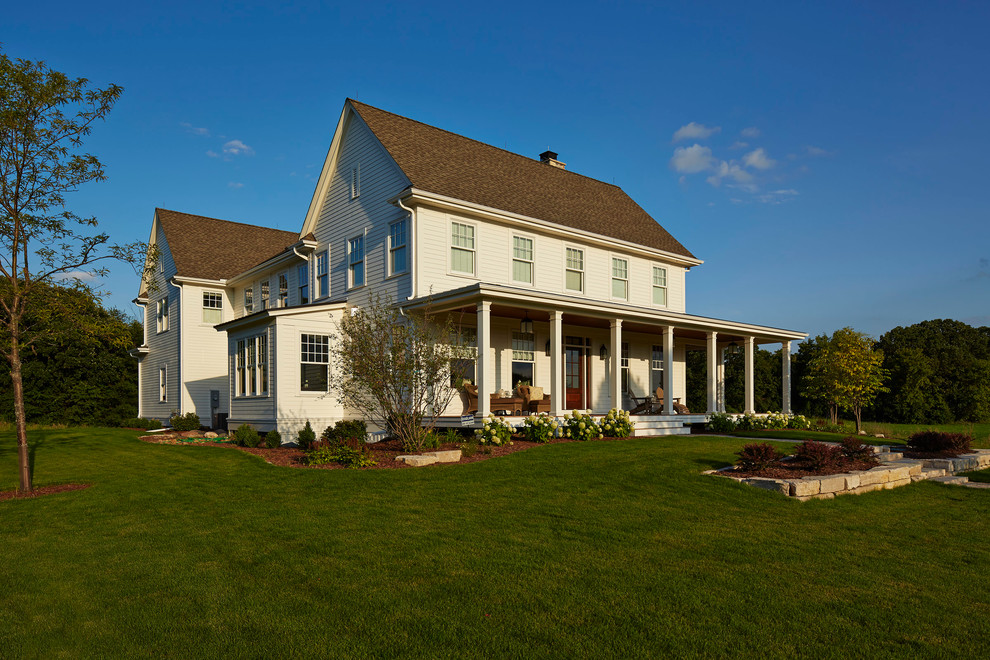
(76, 368)
(938, 372)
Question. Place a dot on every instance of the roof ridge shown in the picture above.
(485, 144)
(230, 222)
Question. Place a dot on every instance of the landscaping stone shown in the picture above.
(416, 460)
(852, 480)
(832, 484)
(951, 479)
(804, 487)
(877, 475)
(878, 435)
(775, 485)
(210, 435)
(449, 456)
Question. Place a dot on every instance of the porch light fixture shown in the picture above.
(603, 352)
(526, 325)
(548, 348)
(733, 348)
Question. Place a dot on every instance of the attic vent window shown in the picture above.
(550, 158)
(355, 181)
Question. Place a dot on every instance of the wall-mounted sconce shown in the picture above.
(548, 348)
(526, 325)
(603, 352)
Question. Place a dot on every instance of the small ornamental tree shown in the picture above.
(394, 369)
(846, 372)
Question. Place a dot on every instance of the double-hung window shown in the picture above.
(322, 274)
(252, 366)
(212, 307)
(624, 366)
(523, 358)
(283, 290)
(620, 278)
(314, 363)
(656, 368)
(241, 361)
(574, 270)
(659, 286)
(464, 354)
(462, 248)
(163, 314)
(262, 364)
(397, 247)
(163, 384)
(355, 261)
(249, 299)
(522, 259)
(266, 294)
(302, 273)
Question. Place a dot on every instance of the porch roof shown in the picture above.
(515, 302)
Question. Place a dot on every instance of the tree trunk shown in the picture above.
(19, 416)
(858, 412)
(833, 412)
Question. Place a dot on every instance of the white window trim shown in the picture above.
(451, 246)
(312, 393)
(389, 248)
(611, 277)
(163, 384)
(249, 309)
(162, 315)
(300, 284)
(319, 295)
(245, 391)
(218, 294)
(283, 301)
(583, 271)
(531, 262)
(266, 297)
(364, 260)
(666, 287)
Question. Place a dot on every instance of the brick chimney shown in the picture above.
(550, 158)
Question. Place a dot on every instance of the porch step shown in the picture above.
(952, 479)
(645, 426)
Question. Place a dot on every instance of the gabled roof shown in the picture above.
(441, 162)
(214, 249)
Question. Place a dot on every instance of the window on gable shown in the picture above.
(574, 277)
(522, 259)
(163, 384)
(163, 315)
(265, 295)
(659, 285)
(302, 273)
(355, 261)
(212, 307)
(462, 248)
(620, 278)
(355, 181)
(314, 363)
(283, 290)
(397, 247)
(322, 274)
(248, 299)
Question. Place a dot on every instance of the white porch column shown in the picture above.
(615, 384)
(750, 405)
(721, 379)
(785, 370)
(712, 372)
(668, 370)
(485, 370)
(557, 398)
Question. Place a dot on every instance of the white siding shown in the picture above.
(163, 348)
(204, 364)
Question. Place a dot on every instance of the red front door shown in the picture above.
(573, 377)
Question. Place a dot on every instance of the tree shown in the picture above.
(846, 372)
(395, 369)
(44, 116)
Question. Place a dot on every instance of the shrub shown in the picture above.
(432, 440)
(799, 422)
(452, 437)
(758, 456)
(469, 447)
(494, 432)
(616, 424)
(246, 436)
(141, 423)
(933, 442)
(273, 439)
(775, 420)
(187, 422)
(826, 426)
(323, 453)
(580, 426)
(751, 422)
(306, 437)
(540, 428)
(818, 455)
(853, 448)
(721, 423)
(346, 429)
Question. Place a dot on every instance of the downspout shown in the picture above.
(178, 343)
(415, 247)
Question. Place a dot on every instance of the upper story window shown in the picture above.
(322, 275)
(462, 248)
(659, 285)
(522, 259)
(397, 247)
(163, 384)
(212, 307)
(248, 299)
(265, 295)
(620, 278)
(302, 273)
(355, 181)
(574, 267)
(163, 314)
(283, 290)
(314, 363)
(355, 261)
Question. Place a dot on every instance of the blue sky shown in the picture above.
(826, 160)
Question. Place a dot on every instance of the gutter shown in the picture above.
(287, 253)
(414, 290)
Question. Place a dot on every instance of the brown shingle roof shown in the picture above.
(219, 249)
(444, 163)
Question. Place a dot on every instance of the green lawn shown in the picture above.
(891, 432)
(602, 549)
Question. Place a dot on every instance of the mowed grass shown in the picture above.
(602, 549)
(896, 433)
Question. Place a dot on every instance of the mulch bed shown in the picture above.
(383, 452)
(796, 468)
(41, 491)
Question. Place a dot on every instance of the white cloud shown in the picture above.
(195, 130)
(777, 196)
(83, 275)
(235, 185)
(731, 170)
(694, 131)
(758, 159)
(739, 145)
(237, 148)
(751, 132)
(693, 159)
(212, 154)
(816, 151)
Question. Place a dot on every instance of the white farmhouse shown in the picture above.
(568, 284)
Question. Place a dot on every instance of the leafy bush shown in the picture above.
(853, 448)
(540, 428)
(306, 437)
(469, 447)
(323, 453)
(799, 422)
(432, 440)
(494, 432)
(933, 442)
(616, 424)
(751, 422)
(187, 422)
(721, 423)
(273, 439)
(826, 426)
(818, 455)
(452, 437)
(758, 456)
(345, 429)
(580, 426)
(246, 436)
(141, 423)
(776, 420)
